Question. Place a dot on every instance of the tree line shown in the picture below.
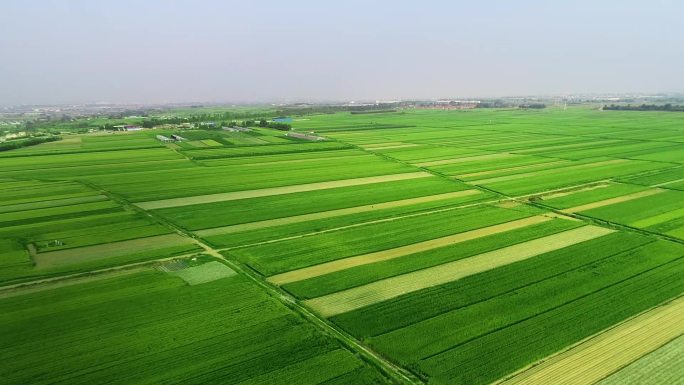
(644, 107)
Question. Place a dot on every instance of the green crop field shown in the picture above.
(406, 247)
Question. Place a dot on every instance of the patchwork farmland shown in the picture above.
(408, 247)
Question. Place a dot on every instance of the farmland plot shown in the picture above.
(611, 350)
(663, 366)
(153, 327)
(278, 257)
(425, 236)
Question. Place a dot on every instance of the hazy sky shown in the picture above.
(198, 51)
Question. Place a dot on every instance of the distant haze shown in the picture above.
(260, 51)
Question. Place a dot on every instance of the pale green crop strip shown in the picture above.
(612, 201)
(607, 352)
(385, 289)
(384, 255)
(332, 213)
(222, 197)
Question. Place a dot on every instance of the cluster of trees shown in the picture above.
(19, 143)
(493, 104)
(331, 109)
(644, 107)
(499, 103)
(538, 106)
(372, 111)
(266, 124)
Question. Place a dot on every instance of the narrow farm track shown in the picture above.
(609, 351)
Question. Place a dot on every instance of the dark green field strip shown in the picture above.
(62, 148)
(590, 194)
(35, 229)
(217, 214)
(663, 153)
(84, 172)
(538, 142)
(52, 203)
(672, 178)
(661, 213)
(616, 150)
(510, 142)
(251, 236)
(136, 228)
(48, 198)
(361, 275)
(445, 332)
(639, 209)
(525, 342)
(293, 254)
(360, 127)
(87, 159)
(550, 179)
(504, 170)
(583, 144)
(384, 317)
(429, 153)
(151, 327)
(39, 191)
(491, 164)
(293, 158)
(60, 212)
(228, 152)
(154, 185)
(13, 254)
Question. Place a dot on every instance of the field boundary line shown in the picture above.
(384, 255)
